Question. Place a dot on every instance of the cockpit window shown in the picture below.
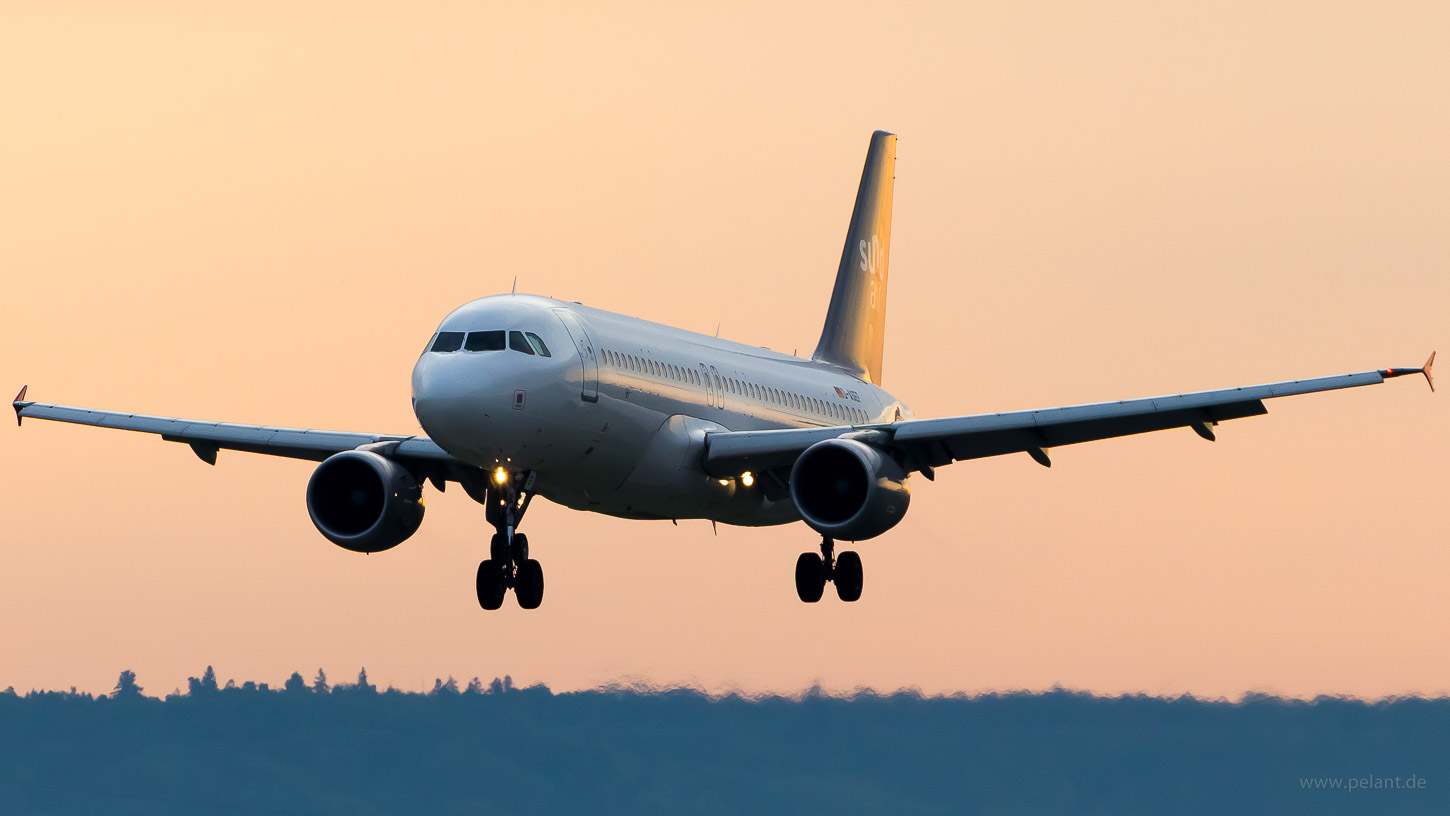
(447, 341)
(518, 343)
(485, 341)
(538, 344)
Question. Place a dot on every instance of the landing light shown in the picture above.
(724, 482)
(500, 476)
(747, 478)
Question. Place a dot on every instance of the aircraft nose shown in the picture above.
(441, 398)
(472, 402)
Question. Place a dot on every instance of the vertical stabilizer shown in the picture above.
(856, 322)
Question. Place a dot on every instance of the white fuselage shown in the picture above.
(614, 420)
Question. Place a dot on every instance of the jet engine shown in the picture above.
(364, 502)
(849, 490)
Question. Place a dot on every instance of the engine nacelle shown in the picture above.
(849, 490)
(364, 502)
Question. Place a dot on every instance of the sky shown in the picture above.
(258, 212)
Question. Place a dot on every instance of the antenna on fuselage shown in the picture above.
(717, 330)
(513, 290)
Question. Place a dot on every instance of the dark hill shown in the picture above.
(528, 751)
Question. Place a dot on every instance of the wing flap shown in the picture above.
(207, 437)
(928, 443)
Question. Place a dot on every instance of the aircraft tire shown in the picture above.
(490, 585)
(529, 584)
(498, 548)
(848, 576)
(810, 577)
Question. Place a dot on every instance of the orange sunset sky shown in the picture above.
(258, 212)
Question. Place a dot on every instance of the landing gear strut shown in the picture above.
(813, 571)
(508, 564)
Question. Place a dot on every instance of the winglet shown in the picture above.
(1426, 369)
(19, 402)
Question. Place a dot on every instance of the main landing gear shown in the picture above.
(813, 571)
(508, 564)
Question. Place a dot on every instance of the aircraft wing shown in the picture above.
(206, 438)
(926, 444)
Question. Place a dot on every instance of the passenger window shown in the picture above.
(447, 341)
(538, 343)
(518, 343)
(485, 341)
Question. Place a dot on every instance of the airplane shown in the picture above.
(523, 396)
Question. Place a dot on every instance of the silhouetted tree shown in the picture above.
(475, 686)
(441, 687)
(362, 682)
(295, 684)
(126, 686)
(206, 685)
(319, 684)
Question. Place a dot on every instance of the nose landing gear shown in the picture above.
(813, 571)
(508, 565)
